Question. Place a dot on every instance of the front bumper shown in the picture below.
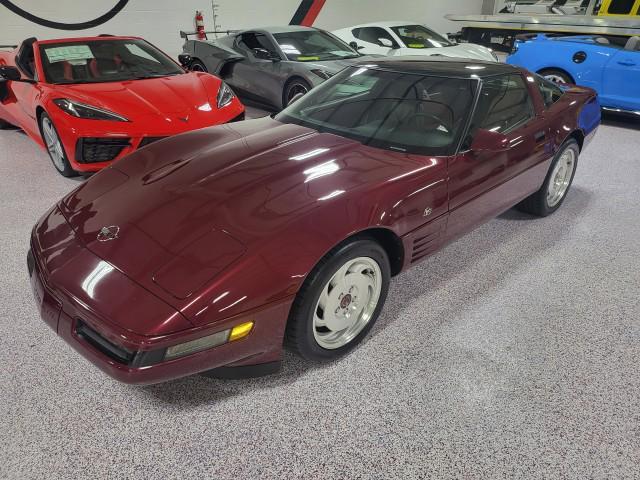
(87, 324)
(92, 145)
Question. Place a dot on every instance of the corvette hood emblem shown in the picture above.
(108, 233)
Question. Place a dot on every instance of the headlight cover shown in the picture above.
(88, 112)
(225, 95)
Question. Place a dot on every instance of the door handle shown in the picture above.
(627, 63)
(539, 136)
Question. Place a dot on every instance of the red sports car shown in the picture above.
(207, 251)
(90, 101)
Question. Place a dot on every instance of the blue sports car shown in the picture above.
(612, 69)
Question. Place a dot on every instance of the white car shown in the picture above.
(408, 38)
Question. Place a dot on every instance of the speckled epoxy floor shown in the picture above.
(513, 353)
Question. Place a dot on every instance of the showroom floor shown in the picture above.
(512, 353)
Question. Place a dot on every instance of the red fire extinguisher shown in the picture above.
(200, 26)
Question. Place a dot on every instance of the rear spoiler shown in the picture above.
(186, 35)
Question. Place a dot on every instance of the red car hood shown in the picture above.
(188, 206)
(139, 99)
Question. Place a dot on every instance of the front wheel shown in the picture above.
(55, 147)
(339, 301)
(557, 183)
(294, 87)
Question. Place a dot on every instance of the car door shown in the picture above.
(373, 39)
(485, 182)
(621, 80)
(256, 77)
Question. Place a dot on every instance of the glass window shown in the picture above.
(504, 104)
(550, 92)
(374, 35)
(418, 36)
(621, 7)
(108, 60)
(253, 41)
(313, 46)
(397, 111)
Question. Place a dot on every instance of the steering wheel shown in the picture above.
(431, 116)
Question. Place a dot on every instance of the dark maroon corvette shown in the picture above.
(210, 250)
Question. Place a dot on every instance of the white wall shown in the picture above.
(159, 21)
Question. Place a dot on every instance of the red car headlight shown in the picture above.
(82, 110)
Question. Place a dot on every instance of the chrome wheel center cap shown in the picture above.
(346, 301)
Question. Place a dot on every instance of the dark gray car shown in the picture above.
(271, 65)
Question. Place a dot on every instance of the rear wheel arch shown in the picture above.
(549, 70)
(578, 135)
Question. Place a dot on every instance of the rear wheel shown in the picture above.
(294, 87)
(54, 147)
(339, 301)
(198, 66)
(556, 76)
(557, 183)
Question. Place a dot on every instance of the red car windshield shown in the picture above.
(108, 60)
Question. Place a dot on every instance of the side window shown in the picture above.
(373, 35)
(25, 60)
(504, 104)
(251, 41)
(550, 92)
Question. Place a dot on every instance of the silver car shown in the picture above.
(273, 65)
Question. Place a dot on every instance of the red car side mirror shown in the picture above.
(9, 73)
(489, 141)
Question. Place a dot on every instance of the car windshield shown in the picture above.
(391, 110)
(313, 46)
(418, 36)
(104, 60)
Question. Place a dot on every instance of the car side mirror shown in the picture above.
(10, 73)
(489, 141)
(185, 60)
(385, 42)
(264, 54)
(355, 46)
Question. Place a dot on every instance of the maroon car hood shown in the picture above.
(188, 206)
(137, 99)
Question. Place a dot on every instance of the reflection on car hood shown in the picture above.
(139, 99)
(334, 66)
(234, 185)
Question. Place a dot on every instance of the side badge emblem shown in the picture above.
(108, 233)
(427, 211)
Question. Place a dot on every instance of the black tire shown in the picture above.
(299, 334)
(556, 76)
(198, 66)
(292, 88)
(537, 204)
(65, 167)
